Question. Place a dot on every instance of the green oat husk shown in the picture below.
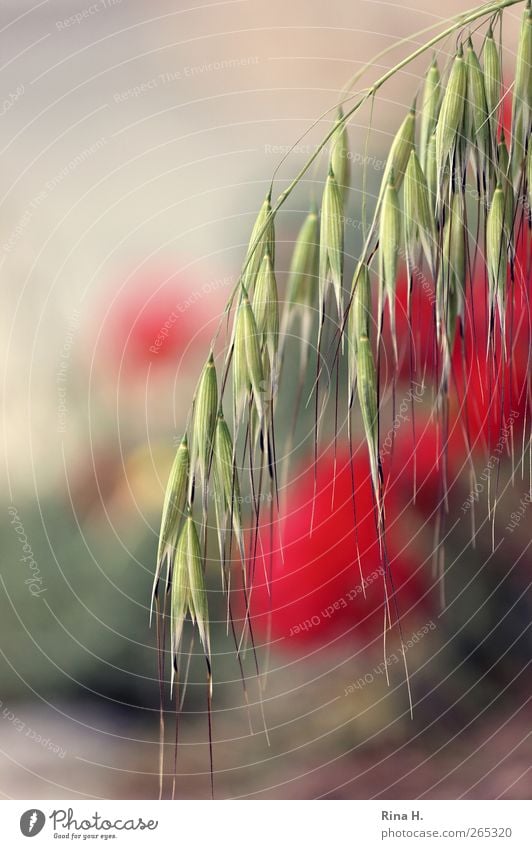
(331, 247)
(304, 267)
(204, 411)
(340, 164)
(522, 95)
(419, 221)
(359, 320)
(496, 253)
(450, 290)
(173, 511)
(227, 486)
(430, 106)
(431, 173)
(492, 80)
(266, 307)
(189, 595)
(253, 359)
(389, 244)
(449, 126)
(262, 241)
(477, 116)
(399, 154)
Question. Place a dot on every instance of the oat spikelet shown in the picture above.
(331, 245)
(451, 115)
(389, 243)
(430, 107)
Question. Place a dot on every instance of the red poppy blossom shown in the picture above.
(312, 587)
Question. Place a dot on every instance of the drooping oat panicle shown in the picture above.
(522, 95)
(188, 588)
(399, 154)
(449, 126)
(389, 244)
(262, 241)
(492, 80)
(331, 244)
(340, 164)
(477, 116)
(496, 253)
(227, 486)
(205, 408)
(430, 107)
(418, 216)
(359, 320)
(266, 306)
(367, 394)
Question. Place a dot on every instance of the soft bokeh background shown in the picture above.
(136, 147)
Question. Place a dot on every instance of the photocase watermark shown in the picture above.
(479, 487)
(35, 581)
(392, 658)
(28, 731)
(414, 394)
(517, 515)
(86, 13)
(8, 102)
(38, 200)
(180, 74)
(340, 604)
(182, 307)
(62, 371)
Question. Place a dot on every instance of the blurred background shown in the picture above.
(138, 141)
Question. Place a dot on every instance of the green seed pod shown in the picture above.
(265, 244)
(452, 276)
(174, 501)
(399, 153)
(522, 95)
(497, 251)
(188, 588)
(503, 178)
(253, 355)
(227, 487)
(180, 598)
(359, 320)
(431, 173)
(492, 80)
(266, 306)
(304, 269)
(429, 110)
(418, 215)
(477, 118)
(389, 243)
(204, 420)
(340, 155)
(331, 243)
(241, 382)
(367, 395)
(451, 115)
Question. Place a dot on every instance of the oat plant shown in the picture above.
(454, 197)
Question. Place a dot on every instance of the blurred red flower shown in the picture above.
(312, 588)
